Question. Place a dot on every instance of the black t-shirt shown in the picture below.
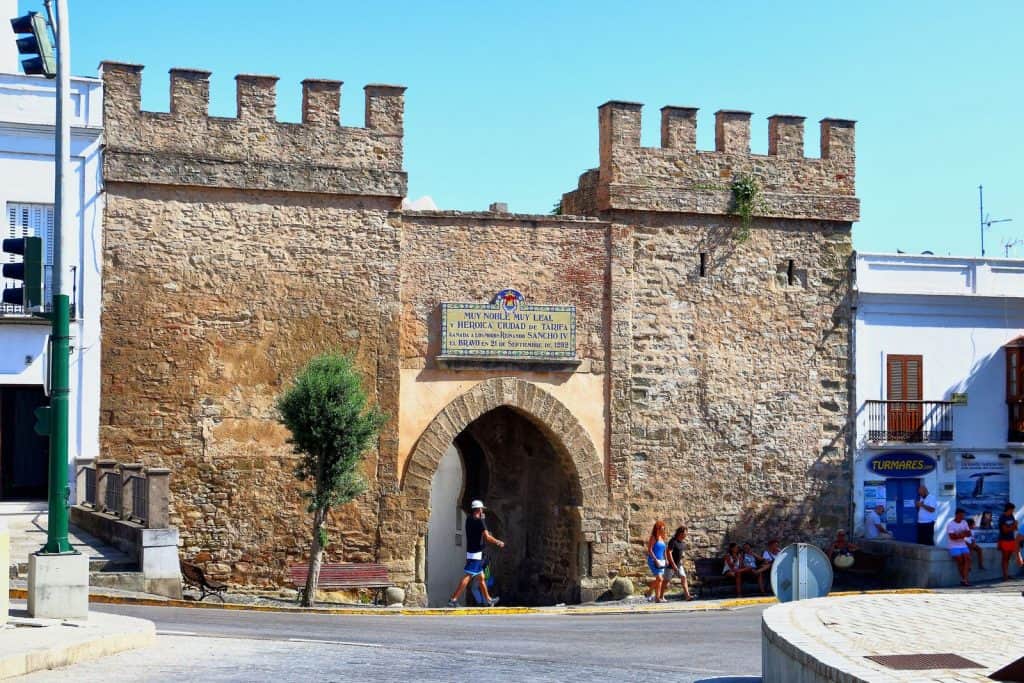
(677, 548)
(475, 534)
(1003, 534)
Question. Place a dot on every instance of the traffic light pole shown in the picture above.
(60, 338)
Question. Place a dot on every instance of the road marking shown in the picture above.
(176, 633)
(333, 642)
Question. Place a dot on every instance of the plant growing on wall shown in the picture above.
(746, 199)
(331, 426)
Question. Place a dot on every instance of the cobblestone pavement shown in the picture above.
(982, 627)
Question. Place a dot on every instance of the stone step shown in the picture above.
(27, 524)
(97, 565)
(125, 581)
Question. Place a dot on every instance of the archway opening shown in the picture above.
(532, 492)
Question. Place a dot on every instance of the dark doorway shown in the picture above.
(23, 453)
(531, 490)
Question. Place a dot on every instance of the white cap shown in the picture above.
(476, 504)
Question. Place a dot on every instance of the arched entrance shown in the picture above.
(529, 459)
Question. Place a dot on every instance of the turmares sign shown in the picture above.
(508, 328)
(903, 464)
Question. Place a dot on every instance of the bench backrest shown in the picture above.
(709, 566)
(192, 572)
(868, 561)
(351, 573)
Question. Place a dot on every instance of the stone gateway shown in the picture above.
(693, 366)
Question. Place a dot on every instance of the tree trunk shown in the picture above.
(315, 558)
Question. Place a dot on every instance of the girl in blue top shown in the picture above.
(656, 561)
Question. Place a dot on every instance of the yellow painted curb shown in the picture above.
(100, 598)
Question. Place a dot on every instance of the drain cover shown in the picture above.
(940, 660)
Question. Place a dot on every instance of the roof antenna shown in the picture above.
(984, 221)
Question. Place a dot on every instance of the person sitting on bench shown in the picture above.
(733, 567)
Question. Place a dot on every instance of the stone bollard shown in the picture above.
(158, 481)
(127, 503)
(394, 596)
(103, 468)
(622, 587)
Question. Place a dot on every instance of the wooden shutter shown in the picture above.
(904, 378)
(1015, 371)
(903, 391)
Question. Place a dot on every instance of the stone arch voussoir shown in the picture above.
(549, 414)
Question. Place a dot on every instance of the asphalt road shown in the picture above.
(216, 645)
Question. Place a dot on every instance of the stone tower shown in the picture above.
(235, 249)
(729, 393)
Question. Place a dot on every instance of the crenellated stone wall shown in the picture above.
(710, 384)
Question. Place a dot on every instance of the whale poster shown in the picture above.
(983, 485)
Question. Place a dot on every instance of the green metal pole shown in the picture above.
(60, 337)
(60, 390)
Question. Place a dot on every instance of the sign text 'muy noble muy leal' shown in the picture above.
(508, 328)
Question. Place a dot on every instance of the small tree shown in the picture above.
(325, 410)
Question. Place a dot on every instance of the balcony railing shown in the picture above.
(19, 311)
(910, 421)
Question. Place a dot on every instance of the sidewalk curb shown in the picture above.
(639, 608)
(58, 654)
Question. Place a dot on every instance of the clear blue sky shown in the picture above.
(502, 97)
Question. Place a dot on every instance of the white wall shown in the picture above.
(957, 313)
(445, 556)
(27, 175)
(8, 51)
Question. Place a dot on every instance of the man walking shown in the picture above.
(476, 535)
(926, 505)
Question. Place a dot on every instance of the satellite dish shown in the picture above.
(801, 571)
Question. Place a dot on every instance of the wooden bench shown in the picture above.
(709, 571)
(341, 576)
(193, 576)
(867, 567)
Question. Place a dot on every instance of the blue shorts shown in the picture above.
(474, 567)
(957, 552)
(655, 569)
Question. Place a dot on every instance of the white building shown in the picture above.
(939, 387)
(26, 197)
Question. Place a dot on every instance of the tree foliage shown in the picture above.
(331, 426)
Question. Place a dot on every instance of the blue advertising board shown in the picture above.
(905, 464)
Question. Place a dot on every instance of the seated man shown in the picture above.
(753, 563)
(873, 526)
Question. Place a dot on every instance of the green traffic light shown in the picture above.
(37, 43)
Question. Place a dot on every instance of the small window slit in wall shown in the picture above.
(790, 274)
(703, 264)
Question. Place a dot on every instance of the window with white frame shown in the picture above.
(31, 220)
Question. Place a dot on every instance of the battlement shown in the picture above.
(253, 150)
(680, 178)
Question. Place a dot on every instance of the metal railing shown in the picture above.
(140, 497)
(19, 310)
(90, 485)
(1016, 421)
(113, 501)
(910, 421)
